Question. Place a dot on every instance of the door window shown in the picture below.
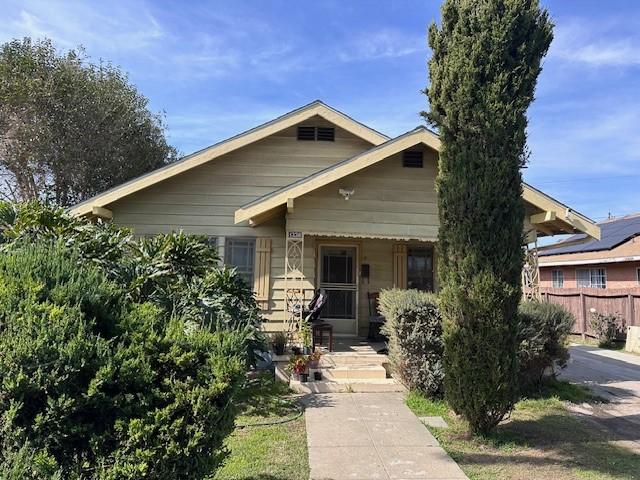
(420, 268)
(338, 278)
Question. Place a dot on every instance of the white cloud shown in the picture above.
(100, 27)
(382, 44)
(596, 45)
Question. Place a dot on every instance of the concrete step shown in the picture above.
(341, 359)
(354, 372)
(348, 386)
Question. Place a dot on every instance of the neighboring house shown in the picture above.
(613, 262)
(313, 199)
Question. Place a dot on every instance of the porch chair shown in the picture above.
(312, 315)
(375, 319)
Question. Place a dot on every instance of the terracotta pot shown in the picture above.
(304, 377)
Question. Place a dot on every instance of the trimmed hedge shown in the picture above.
(414, 328)
(542, 341)
(94, 386)
(416, 350)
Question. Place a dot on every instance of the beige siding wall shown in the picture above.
(389, 201)
(203, 200)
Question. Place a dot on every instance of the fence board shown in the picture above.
(624, 302)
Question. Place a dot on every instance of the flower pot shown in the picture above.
(279, 349)
(314, 364)
(317, 376)
(304, 377)
(306, 350)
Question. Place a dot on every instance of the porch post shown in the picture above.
(293, 279)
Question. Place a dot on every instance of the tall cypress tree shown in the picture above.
(485, 64)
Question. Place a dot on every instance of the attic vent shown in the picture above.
(326, 134)
(412, 159)
(306, 133)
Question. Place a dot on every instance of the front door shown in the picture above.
(339, 277)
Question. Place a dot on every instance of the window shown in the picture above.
(411, 159)
(638, 275)
(321, 134)
(591, 277)
(557, 278)
(420, 268)
(240, 253)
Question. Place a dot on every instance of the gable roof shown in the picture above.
(568, 218)
(337, 171)
(614, 232)
(205, 155)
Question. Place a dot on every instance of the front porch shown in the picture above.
(352, 270)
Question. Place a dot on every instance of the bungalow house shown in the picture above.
(580, 261)
(313, 199)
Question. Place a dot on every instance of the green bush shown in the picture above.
(606, 327)
(95, 386)
(414, 328)
(177, 272)
(543, 337)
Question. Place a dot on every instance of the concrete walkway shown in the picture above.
(616, 377)
(369, 436)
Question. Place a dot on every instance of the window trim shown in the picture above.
(557, 278)
(638, 275)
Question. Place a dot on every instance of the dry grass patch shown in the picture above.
(541, 440)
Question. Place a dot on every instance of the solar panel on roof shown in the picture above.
(612, 234)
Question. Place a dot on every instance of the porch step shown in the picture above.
(343, 359)
(354, 372)
(348, 386)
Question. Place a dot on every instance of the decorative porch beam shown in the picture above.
(268, 215)
(102, 212)
(544, 217)
(289, 205)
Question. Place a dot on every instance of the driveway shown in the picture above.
(614, 376)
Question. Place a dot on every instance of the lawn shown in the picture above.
(541, 440)
(266, 452)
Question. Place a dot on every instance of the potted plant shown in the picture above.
(305, 336)
(279, 343)
(314, 359)
(298, 365)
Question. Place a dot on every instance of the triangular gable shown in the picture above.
(210, 153)
(261, 208)
(336, 172)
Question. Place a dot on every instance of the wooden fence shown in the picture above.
(579, 301)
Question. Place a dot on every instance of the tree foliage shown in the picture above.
(70, 129)
(121, 356)
(486, 60)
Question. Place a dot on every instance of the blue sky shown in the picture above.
(217, 68)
